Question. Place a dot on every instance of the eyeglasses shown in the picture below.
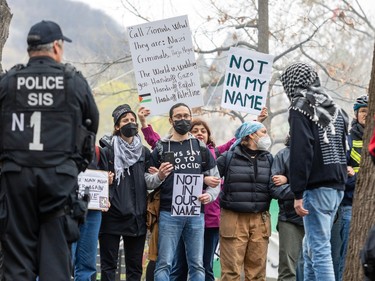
(180, 116)
(363, 110)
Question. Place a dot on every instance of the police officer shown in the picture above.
(48, 123)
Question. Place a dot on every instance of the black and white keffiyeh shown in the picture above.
(126, 155)
(302, 86)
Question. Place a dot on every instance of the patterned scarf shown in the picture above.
(126, 155)
(302, 86)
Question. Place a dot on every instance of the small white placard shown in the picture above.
(97, 182)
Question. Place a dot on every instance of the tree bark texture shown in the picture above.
(363, 216)
(263, 27)
(5, 18)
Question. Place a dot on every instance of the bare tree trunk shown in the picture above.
(363, 217)
(263, 27)
(5, 18)
(263, 44)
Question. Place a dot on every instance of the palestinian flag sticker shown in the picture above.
(145, 98)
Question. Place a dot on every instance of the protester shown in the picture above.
(289, 225)
(355, 141)
(317, 164)
(245, 225)
(191, 159)
(49, 120)
(84, 251)
(128, 160)
(368, 256)
(201, 131)
(371, 147)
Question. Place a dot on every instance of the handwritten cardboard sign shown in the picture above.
(186, 189)
(97, 182)
(164, 64)
(246, 81)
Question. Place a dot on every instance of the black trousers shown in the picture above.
(133, 249)
(33, 247)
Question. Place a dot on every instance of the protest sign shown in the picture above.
(186, 189)
(164, 64)
(246, 80)
(97, 183)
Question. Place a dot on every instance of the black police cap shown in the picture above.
(45, 32)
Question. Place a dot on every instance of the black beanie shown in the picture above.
(121, 110)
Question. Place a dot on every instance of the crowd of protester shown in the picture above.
(313, 179)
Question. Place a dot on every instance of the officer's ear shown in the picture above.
(58, 50)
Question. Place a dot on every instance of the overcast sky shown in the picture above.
(160, 9)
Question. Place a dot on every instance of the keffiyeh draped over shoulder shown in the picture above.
(302, 86)
(126, 155)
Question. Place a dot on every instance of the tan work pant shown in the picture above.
(243, 244)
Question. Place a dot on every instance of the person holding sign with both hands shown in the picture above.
(201, 131)
(176, 224)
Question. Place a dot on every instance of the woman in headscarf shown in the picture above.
(245, 225)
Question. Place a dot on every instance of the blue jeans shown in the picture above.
(171, 229)
(346, 217)
(211, 239)
(300, 266)
(336, 244)
(179, 266)
(322, 204)
(84, 251)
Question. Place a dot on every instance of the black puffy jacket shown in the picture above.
(246, 181)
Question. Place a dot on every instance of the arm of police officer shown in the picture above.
(89, 108)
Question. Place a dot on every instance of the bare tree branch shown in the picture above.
(327, 72)
(361, 16)
(133, 10)
(223, 49)
(296, 46)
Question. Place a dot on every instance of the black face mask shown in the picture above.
(129, 130)
(182, 126)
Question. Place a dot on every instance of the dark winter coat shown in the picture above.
(283, 193)
(246, 181)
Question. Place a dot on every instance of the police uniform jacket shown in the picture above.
(47, 109)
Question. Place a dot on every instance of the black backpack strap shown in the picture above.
(228, 158)
(110, 155)
(203, 150)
